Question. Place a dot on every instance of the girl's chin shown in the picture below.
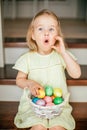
(48, 51)
(45, 52)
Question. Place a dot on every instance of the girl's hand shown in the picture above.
(34, 87)
(60, 47)
(22, 81)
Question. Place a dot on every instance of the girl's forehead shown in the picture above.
(45, 18)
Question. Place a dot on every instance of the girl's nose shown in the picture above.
(46, 33)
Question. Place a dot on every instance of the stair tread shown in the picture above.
(21, 42)
(9, 109)
(8, 76)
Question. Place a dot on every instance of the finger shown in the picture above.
(34, 93)
(37, 92)
(54, 47)
(58, 38)
(41, 87)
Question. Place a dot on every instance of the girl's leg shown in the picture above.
(38, 127)
(57, 128)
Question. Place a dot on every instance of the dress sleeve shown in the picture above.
(22, 64)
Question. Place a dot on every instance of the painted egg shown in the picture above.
(48, 91)
(35, 99)
(58, 100)
(57, 92)
(52, 97)
(50, 104)
(47, 99)
(41, 93)
(41, 102)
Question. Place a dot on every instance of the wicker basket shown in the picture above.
(48, 111)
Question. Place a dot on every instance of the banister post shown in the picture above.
(1, 37)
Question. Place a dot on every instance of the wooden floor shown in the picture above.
(71, 28)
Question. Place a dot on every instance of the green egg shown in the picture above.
(48, 91)
(58, 100)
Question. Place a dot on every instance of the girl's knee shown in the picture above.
(57, 128)
(38, 127)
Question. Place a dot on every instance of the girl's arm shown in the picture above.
(23, 82)
(72, 66)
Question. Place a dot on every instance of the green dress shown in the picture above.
(46, 70)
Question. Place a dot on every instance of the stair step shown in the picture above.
(9, 109)
(8, 76)
(21, 42)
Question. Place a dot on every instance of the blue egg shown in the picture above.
(35, 99)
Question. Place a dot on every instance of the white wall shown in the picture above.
(81, 55)
(78, 93)
(14, 53)
(10, 93)
(13, 93)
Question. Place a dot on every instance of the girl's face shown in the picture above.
(44, 33)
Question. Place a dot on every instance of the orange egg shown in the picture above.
(52, 97)
(41, 93)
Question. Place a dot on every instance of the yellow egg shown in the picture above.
(41, 93)
(57, 92)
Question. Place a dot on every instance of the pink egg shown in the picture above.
(50, 104)
(41, 102)
(48, 99)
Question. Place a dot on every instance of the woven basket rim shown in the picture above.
(51, 107)
(48, 107)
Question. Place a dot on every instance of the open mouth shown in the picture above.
(46, 41)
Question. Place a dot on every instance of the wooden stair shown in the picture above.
(21, 42)
(8, 76)
(9, 109)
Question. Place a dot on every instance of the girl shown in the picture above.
(44, 64)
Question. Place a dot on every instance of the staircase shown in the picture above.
(10, 94)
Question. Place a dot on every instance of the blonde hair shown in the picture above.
(30, 42)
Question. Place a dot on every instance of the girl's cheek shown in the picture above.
(53, 42)
(54, 38)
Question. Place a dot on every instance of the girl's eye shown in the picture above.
(40, 29)
(51, 29)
